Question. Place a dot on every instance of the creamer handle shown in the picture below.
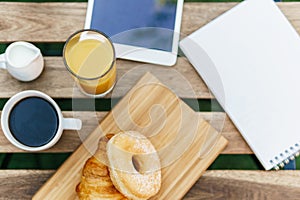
(2, 61)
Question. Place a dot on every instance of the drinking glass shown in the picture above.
(89, 56)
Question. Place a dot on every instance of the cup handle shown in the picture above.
(2, 61)
(71, 124)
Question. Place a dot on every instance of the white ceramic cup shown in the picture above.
(23, 61)
(63, 123)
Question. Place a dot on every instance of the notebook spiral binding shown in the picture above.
(285, 157)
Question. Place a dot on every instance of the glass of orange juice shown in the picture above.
(89, 56)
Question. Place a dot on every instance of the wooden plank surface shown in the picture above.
(254, 185)
(71, 140)
(214, 184)
(38, 21)
(165, 120)
(57, 82)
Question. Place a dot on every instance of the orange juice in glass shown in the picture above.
(89, 56)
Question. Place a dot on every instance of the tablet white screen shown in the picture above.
(142, 23)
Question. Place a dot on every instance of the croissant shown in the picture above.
(95, 180)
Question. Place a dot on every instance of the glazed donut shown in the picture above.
(134, 165)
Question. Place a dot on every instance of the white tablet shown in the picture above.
(141, 30)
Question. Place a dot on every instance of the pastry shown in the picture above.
(95, 180)
(125, 166)
(134, 165)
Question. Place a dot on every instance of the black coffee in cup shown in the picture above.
(33, 121)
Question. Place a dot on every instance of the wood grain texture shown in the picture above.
(71, 140)
(38, 21)
(239, 184)
(22, 184)
(166, 121)
(214, 184)
(57, 82)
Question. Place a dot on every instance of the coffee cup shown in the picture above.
(22, 60)
(32, 121)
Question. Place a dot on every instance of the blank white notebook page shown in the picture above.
(256, 56)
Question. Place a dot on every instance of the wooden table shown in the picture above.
(54, 22)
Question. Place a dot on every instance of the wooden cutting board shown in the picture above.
(176, 131)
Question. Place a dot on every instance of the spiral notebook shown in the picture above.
(250, 59)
